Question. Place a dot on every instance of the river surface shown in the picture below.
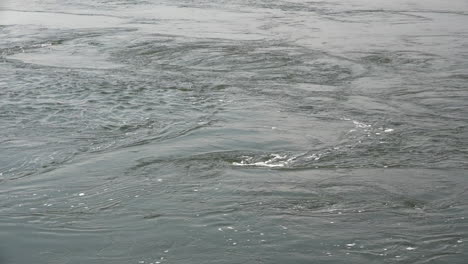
(245, 131)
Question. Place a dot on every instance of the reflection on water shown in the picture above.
(233, 132)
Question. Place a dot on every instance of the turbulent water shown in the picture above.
(246, 131)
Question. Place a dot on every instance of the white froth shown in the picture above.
(276, 160)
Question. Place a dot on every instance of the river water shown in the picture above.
(246, 131)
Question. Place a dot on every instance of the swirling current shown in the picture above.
(246, 131)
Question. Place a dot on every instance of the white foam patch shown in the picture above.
(361, 124)
(316, 156)
(275, 161)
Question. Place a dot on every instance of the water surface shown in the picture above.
(233, 131)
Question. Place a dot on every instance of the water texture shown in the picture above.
(233, 131)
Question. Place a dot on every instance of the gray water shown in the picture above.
(244, 131)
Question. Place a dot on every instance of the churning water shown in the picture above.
(246, 131)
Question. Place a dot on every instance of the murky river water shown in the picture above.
(246, 131)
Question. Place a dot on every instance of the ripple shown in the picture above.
(57, 20)
(377, 16)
